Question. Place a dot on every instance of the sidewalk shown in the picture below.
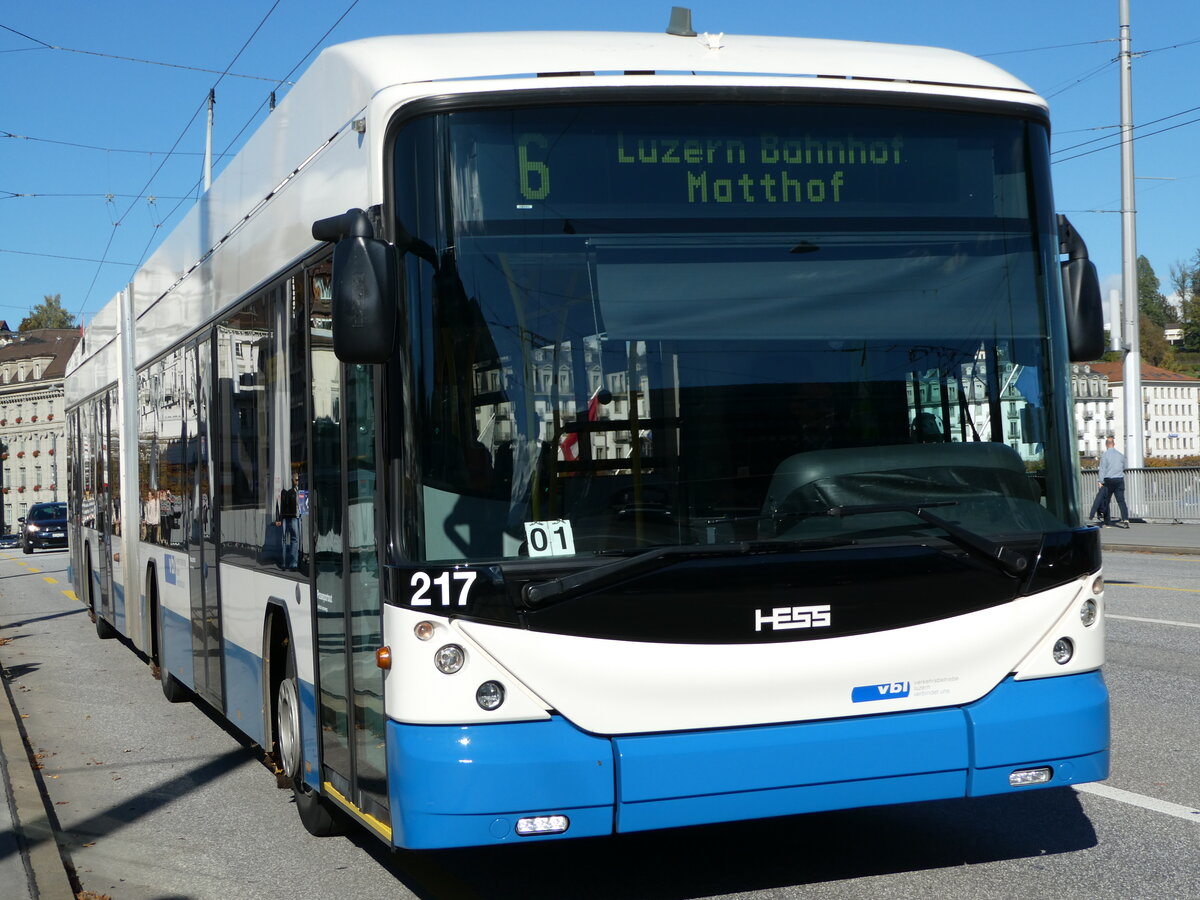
(1144, 537)
(31, 865)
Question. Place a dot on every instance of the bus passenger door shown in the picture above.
(200, 527)
(101, 585)
(347, 574)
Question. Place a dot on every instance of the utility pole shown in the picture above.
(212, 100)
(1133, 353)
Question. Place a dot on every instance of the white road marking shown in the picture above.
(1162, 806)
(1154, 621)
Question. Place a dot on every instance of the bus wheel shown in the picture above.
(89, 589)
(317, 815)
(104, 629)
(173, 688)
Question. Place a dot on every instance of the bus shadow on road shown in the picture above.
(105, 822)
(8, 626)
(774, 853)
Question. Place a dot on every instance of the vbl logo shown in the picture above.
(891, 690)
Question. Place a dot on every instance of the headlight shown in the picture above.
(1088, 612)
(449, 659)
(490, 695)
(1064, 649)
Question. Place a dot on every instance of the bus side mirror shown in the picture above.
(363, 289)
(1081, 296)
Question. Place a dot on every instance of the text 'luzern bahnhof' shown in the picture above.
(778, 185)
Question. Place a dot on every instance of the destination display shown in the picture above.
(745, 161)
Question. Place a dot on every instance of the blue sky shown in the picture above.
(87, 189)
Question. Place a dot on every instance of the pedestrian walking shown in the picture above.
(1112, 485)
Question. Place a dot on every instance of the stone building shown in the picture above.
(1170, 410)
(1094, 408)
(33, 460)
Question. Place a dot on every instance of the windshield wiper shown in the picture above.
(543, 593)
(1008, 560)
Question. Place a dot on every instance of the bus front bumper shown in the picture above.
(454, 786)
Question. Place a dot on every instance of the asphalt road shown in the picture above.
(154, 800)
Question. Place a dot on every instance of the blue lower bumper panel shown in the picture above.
(469, 785)
(457, 786)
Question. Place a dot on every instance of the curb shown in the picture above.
(34, 833)
(1148, 548)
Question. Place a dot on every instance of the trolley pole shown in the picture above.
(1134, 447)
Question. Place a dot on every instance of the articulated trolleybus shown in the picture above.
(547, 435)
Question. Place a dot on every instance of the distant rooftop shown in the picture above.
(1115, 373)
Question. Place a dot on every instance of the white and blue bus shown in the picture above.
(546, 435)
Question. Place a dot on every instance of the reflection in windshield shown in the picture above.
(620, 385)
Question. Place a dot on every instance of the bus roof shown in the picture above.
(382, 61)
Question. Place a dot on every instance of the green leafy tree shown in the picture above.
(48, 314)
(1185, 277)
(1151, 301)
(1154, 346)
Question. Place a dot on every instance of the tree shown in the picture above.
(1153, 344)
(1151, 301)
(48, 314)
(1185, 277)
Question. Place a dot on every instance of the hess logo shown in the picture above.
(784, 618)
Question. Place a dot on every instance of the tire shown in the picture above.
(26, 548)
(174, 689)
(319, 817)
(104, 629)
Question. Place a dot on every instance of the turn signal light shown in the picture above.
(383, 657)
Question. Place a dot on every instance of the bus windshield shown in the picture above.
(640, 325)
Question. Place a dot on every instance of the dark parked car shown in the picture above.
(10, 541)
(44, 526)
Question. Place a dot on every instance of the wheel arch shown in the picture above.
(151, 623)
(89, 580)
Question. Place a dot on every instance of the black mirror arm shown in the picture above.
(351, 223)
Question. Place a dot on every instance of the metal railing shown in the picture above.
(1153, 494)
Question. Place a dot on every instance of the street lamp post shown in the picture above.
(1133, 402)
(3, 453)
